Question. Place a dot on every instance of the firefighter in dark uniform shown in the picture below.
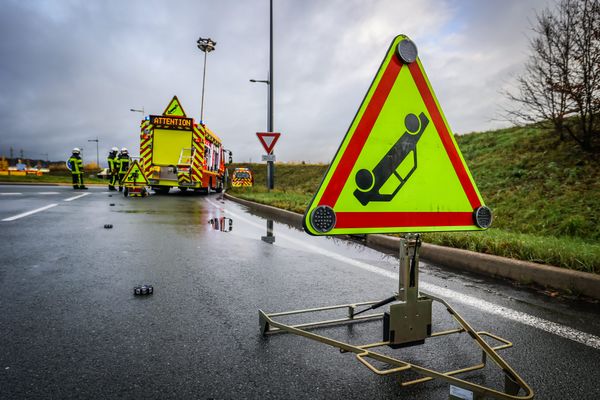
(113, 169)
(75, 164)
(123, 166)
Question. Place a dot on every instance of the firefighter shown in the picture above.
(113, 168)
(123, 166)
(75, 164)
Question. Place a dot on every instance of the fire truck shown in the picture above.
(177, 152)
(242, 177)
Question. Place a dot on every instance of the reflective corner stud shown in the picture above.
(483, 217)
(323, 219)
(407, 51)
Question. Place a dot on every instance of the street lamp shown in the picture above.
(269, 119)
(206, 45)
(140, 111)
(97, 153)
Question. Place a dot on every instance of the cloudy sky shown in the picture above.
(70, 70)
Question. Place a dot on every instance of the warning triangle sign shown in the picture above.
(135, 175)
(268, 140)
(398, 168)
(174, 109)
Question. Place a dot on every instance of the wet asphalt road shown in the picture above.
(70, 326)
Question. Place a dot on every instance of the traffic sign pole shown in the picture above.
(268, 140)
(270, 175)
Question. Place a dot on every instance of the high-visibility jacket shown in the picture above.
(123, 163)
(76, 164)
(112, 161)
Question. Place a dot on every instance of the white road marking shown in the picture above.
(11, 194)
(76, 197)
(29, 212)
(483, 305)
(48, 192)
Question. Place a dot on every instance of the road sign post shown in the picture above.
(268, 140)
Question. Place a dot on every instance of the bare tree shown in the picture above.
(542, 97)
(562, 76)
(584, 82)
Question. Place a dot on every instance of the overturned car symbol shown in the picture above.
(369, 183)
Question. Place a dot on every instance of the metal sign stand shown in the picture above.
(407, 323)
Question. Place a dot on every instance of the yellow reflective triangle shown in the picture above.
(398, 168)
(135, 175)
(174, 108)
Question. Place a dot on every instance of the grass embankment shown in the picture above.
(545, 195)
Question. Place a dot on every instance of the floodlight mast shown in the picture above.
(206, 45)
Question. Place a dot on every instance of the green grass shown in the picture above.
(572, 253)
(536, 183)
(48, 178)
(545, 194)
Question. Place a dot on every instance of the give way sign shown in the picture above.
(268, 140)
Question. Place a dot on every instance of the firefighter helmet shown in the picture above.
(76, 150)
(114, 149)
(124, 150)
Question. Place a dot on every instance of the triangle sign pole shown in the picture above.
(398, 168)
(268, 140)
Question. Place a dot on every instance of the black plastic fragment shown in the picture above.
(143, 290)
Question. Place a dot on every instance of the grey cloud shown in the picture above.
(71, 70)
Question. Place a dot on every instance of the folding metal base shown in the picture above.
(408, 323)
(364, 353)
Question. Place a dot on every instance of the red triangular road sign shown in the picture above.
(135, 174)
(268, 140)
(375, 184)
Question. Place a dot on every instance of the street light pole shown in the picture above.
(206, 45)
(269, 82)
(97, 153)
(270, 127)
(268, 101)
(140, 111)
(271, 164)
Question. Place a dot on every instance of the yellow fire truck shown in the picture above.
(242, 177)
(176, 152)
